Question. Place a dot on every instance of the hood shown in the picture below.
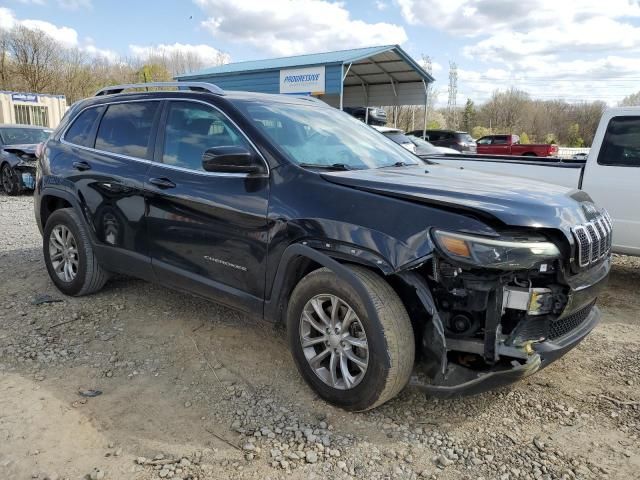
(22, 149)
(513, 201)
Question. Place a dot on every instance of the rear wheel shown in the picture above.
(10, 180)
(69, 256)
(351, 359)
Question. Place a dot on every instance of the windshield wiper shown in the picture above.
(334, 166)
(397, 164)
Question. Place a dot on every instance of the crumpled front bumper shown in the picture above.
(542, 354)
(26, 174)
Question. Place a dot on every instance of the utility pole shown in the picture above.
(452, 111)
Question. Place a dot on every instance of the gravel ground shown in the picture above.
(192, 390)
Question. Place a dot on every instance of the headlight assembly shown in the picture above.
(500, 253)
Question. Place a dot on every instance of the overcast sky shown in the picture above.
(575, 50)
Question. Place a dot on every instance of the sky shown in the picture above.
(582, 50)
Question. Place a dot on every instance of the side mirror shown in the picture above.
(230, 159)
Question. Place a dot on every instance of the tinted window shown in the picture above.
(126, 129)
(434, 136)
(500, 140)
(80, 130)
(193, 128)
(621, 144)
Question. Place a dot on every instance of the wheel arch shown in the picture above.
(297, 261)
(51, 200)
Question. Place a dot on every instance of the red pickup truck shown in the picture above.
(510, 145)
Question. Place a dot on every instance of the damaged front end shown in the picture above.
(500, 309)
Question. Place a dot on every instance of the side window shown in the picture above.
(193, 128)
(500, 140)
(434, 136)
(621, 143)
(484, 141)
(126, 129)
(79, 133)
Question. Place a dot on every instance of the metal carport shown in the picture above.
(372, 76)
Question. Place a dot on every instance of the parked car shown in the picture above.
(580, 156)
(17, 156)
(611, 175)
(510, 145)
(461, 141)
(378, 262)
(377, 116)
(397, 136)
(426, 149)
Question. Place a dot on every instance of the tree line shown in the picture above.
(33, 61)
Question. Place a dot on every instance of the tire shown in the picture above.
(389, 338)
(89, 276)
(10, 180)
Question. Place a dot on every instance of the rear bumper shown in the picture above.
(543, 354)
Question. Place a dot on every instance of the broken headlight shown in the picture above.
(502, 253)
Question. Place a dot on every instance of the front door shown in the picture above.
(207, 231)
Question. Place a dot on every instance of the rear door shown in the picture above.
(207, 231)
(613, 179)
(105, 155)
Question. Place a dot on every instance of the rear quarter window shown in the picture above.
(621, 143)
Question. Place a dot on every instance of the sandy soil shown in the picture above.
(210, 393)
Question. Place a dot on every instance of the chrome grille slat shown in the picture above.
(593, 239)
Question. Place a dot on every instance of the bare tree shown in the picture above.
(35, 56)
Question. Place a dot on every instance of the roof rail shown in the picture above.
(193, 86)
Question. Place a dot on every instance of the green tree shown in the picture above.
(469, 115)
(153, 72)
(550, 138)
(433, 125)
(524, 138)
(573, 138)
(477, 132)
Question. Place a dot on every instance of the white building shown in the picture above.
(32, 108)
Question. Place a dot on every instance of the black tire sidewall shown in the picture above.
(367, 392)
(8, 170)
(63, 217)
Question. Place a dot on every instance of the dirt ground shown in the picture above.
(193, 390)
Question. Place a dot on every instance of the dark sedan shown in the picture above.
(18, 156)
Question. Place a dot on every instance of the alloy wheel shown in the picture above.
(334, 341)
(63, 253)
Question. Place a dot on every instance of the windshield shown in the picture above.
(18, 136)
(324, 137)
(423, 146)
(397, 137)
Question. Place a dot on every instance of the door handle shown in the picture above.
(82, 166)
(162, 182)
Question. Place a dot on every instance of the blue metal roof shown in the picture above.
(337, 57)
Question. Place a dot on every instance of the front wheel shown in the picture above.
(10, 180)
(352, 359)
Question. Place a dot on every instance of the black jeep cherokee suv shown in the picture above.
(380, 264)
